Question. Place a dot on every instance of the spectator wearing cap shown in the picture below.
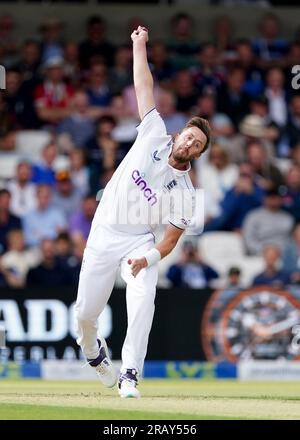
(50, 272)
(96, 43)
(8, 221)
(52, 98)
(46, 221)
(238, 201)
(252, 128)
(191, 271)
(81, 220)
(66, 196)
(291, 192)
(43, 171)
(22, 190)
(272, 274)
(80, 125)
(267, 225)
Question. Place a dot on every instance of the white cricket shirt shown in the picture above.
(145, 192)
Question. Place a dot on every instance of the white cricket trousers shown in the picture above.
(105, 252)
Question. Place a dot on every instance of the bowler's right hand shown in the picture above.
(140, 34)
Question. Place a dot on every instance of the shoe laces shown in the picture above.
(129, 377)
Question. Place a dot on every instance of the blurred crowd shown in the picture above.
(82, 96)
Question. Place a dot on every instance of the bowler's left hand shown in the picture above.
(137, 265)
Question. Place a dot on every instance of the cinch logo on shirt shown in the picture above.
(143, 186)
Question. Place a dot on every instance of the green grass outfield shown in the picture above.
(162, 400)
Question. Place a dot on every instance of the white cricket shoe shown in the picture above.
(103, 365)
(128, 384)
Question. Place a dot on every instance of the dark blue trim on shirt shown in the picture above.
(182, 229)
(145, 116)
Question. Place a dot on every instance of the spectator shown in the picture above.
(185, 92)
(72, 65)
(17, 261)
(96, 44)
(291, 256)
(66, 197)
(51, 45)
(29, 63)
(102, 151)
(173, 120)
(210, 75)
(8, 221)
(23, 192)
(217, 175)
(251, 128)
(267, 175)
(292, 60)
(291, 192)
(191, 271)
(81, 220)
(79, 171)
(223, 36)
(292, 128)
(43, 171)
(272, 274)
(18, 102)
(182, 47)
(49, 273)
(79, 126)
(98, 90)
(120, 75)
(45, 221)
(253, 85)
(234, 278)
(267, 225)
(245, 196)
(8, 41)
(73, 263)
(63, 247)
(259, 106)
(125, 130)
(53, 97)
(276, 95)
(161, 67)
(232, 100)
(270, 47)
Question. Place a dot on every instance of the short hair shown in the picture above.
(203, 125)
(4, 192)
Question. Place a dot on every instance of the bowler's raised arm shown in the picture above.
(143, 80)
